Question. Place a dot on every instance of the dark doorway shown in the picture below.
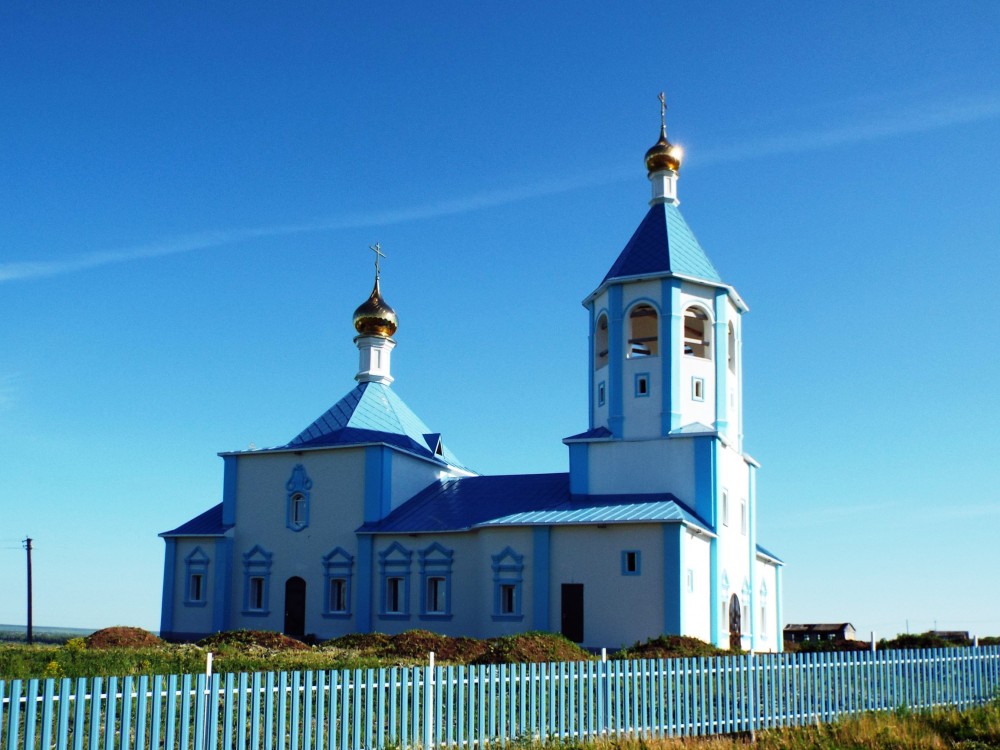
(572, 611)
(735, 627)
(295, 607)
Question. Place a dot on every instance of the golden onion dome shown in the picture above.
(663, 155)
(374, 317)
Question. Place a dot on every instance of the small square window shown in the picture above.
(600, 393)
(642, 384)
(698, 389)
(630, 563)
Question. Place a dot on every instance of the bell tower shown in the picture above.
(665, 330)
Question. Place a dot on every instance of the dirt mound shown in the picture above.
(533, 647)
(247, 638)
(669, 647)
(122, 637)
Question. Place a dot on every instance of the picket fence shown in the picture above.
(470, 707)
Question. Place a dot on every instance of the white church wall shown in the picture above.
(697, 586)
(472, 597)
(336, 504)
(642, 396)
(770, 631)
(409, 476)
(194, 616)
(643, 467)
(733, 537)
(592, 556)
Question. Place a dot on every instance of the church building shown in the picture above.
(366, 521)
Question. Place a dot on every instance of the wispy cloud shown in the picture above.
(927, 117)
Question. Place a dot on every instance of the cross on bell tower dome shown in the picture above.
(663, 162)
(376, 322)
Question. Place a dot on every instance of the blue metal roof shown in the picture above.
(208, 523)
(523, 499)
(663, 243)
(373, 413)
(595, 434)
(770, 554)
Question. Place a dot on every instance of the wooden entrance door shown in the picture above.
(295, 607)
(572, 611)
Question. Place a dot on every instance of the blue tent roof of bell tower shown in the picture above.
(663, 243)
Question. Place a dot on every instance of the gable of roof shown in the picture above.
(208, 523)
(663, 243)
(464, 503)
(373, 413)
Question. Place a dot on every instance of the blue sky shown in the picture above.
(189, 192)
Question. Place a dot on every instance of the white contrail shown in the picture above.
(955, 112)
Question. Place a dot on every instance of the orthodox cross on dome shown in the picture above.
(663, 113)
(377, 249)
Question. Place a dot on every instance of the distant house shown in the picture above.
(838, 631)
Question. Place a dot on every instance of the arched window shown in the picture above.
(731, 349)
(697, 333)
(644, 340)
(601, 343)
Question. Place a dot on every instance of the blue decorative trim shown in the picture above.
(435, 562)
(721, 360)
(616, 361)
(637, 562)
(673, 343)
(591, 365)
(365, 570)
(713, 589)
(540, 576)
(579, 468)
(673, 565)
(640, 379)
(752, 535)
(705, 476)
(297, 500)
(394, 562)
(257, 565)
(228, 490)
(378, 483)
(338, 565)
(196, 578)
(508, 570)
(167, 599)
(223, 600)
(779, 626)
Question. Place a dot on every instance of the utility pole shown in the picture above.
(27, 547)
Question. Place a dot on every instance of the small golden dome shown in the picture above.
(374, 317)
(663, 155)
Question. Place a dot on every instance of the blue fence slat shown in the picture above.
(236, 702)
